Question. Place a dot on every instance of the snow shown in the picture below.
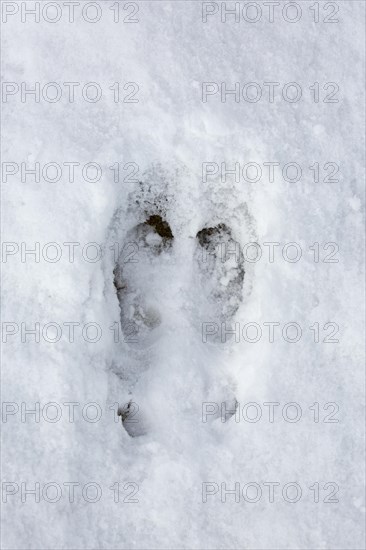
(170, 372)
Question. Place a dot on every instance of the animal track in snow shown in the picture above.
(140, 306)
(169, 286)
(221, 271)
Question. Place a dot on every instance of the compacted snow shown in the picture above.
(206, 376)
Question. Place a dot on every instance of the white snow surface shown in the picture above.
(169, 133)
